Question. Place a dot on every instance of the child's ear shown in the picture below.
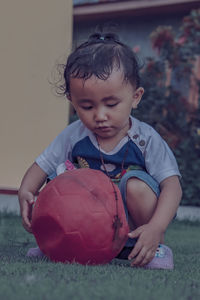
(137, 96)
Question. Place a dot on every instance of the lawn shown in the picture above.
(25, 278)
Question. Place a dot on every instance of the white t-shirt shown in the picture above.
(146, 151)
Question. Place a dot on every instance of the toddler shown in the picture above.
(103, 84)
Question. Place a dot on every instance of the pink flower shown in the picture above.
(69, 165)
(181, 40)
(161, 36)
(136, 49)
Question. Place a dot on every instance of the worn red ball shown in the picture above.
(74, 218)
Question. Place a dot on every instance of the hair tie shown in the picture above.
(103, 37)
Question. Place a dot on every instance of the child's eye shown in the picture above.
(111, 104)
(86, 107)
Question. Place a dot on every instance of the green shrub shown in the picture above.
(167, 103)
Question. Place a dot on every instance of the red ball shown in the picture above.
(74, 218)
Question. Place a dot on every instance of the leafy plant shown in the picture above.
(172, 97)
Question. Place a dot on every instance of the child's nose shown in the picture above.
(100, 115)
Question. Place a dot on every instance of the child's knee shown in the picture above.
(137, 188)
(141, 201)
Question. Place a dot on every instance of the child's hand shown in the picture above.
(26, 200)
(145, 248)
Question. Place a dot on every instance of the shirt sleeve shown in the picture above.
(56, 153)
(159, 159)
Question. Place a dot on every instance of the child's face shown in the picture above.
(104, 106)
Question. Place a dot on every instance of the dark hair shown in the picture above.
(98, 56)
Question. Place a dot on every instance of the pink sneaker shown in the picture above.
(163, 259)
(35, 252)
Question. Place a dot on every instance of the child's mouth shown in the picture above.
(104, 129)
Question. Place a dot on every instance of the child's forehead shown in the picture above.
(116, 77)
(95, 88)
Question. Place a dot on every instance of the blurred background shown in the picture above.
(38, 35)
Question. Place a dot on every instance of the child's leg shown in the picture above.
(132, 185)
(141, 203)
(140, 193)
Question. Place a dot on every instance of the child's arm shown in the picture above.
(150, 235)
(31, 183)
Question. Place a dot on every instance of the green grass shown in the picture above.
(25, 278)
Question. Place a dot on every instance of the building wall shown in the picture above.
(34, 37)
(133, 30)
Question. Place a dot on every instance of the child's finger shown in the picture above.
(26, 214)
(26, 221)
(27, 225)
(143, 258)
(136, 250)
(139, 258)
(149, 256)
(134, 234)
